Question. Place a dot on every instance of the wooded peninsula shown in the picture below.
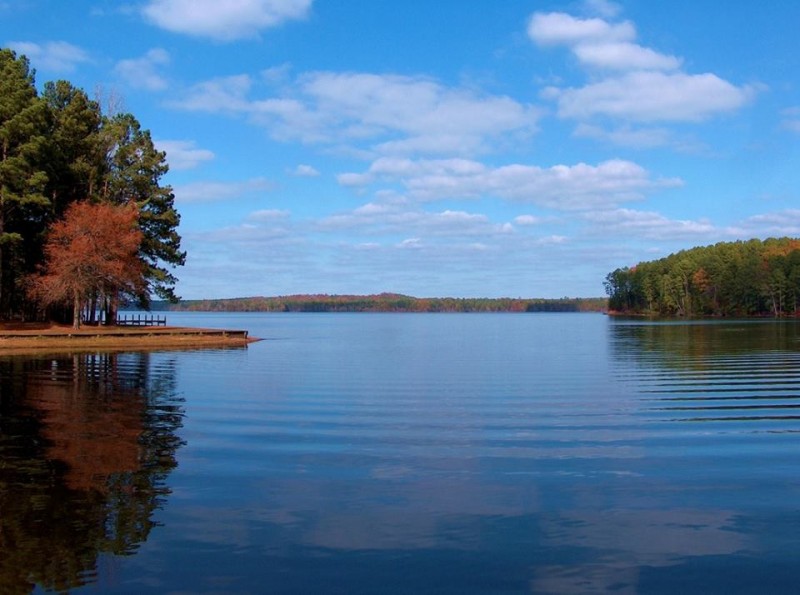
(743, 278)
(85, 221)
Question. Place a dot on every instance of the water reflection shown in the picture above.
(544, 455)
(747, 371)
(86, 442)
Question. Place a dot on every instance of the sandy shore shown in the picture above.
(19, 338)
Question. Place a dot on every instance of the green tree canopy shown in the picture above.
(752, 278)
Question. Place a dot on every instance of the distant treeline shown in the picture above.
(744, 278)
(387, 302)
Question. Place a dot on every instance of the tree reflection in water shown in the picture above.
(86, 443)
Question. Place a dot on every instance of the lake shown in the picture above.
(409, 453)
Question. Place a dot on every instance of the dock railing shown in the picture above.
(141, 320)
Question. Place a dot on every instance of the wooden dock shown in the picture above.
(134, 337)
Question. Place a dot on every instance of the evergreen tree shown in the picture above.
(22, 178)
(133, 170)
(74, 155)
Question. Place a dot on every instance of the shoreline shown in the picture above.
(24, 338)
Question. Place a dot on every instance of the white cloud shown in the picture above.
(220, 191)
(551, 240)
(375, 219)
(526, 220)
(224, 21)
(353, 179)
(410, 244)
(598, 43)
(624, 56)
(654, 96)
(183, 155)
(562, 187)
(268, 215)
(645, 85)
(432, 118)
(558, 28)
(224, 94)
(52, 56)
(382, 114)
(778, 224)
(305, 171)
(142, 73)
(647, 224)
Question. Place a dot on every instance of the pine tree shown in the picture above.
(133, 172)
(74, 155)
(23, 119)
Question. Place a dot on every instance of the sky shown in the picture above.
(451, 148)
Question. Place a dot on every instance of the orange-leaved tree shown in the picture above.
(93, 250)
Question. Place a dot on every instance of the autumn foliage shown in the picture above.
(93, 251)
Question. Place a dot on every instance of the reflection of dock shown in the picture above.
(27, 337)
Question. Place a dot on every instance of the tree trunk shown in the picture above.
(111, 309)
(76, 311)
(3, 159)
(2, 230)
(91, 312)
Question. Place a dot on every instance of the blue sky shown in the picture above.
(451, 148)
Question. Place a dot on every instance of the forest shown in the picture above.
(387, 302)
(85, 221)
(742, 278)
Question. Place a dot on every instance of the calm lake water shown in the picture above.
(410, 453)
